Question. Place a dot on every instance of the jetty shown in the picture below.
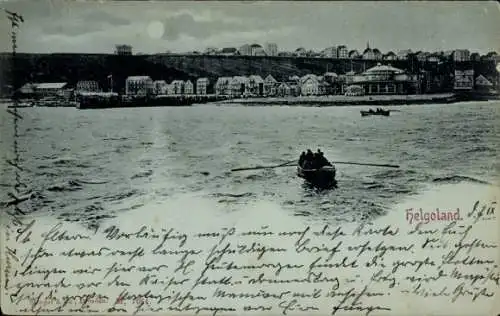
(103, 100)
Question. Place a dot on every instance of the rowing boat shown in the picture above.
(371, 112)
(323, 177)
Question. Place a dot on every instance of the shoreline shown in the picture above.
(312, 101)
(341, 100)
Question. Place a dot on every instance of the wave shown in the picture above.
(458, 179)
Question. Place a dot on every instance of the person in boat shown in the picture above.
(308, 160)
(302, 158)
(321, 161)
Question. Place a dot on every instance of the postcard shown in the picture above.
(249, 158)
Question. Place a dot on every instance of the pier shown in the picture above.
(96, 100)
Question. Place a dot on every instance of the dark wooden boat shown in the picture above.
(371, 112)
(322, 178)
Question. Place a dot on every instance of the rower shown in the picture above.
(302, 158)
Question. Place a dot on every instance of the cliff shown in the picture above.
(73, 67)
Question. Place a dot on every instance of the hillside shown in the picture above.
(74, 67)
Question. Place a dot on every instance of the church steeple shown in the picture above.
(367, 45)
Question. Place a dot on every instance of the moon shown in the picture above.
(156, 29)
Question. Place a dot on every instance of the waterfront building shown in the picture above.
(342, 52)
(139, 85)
(309, 85)
(170, 89)
(188, 87)
(202, 86)
(460, 55)
(87, 86)
(178, 86)
(51, 89)
(254, 85)
(384, 79)
(464, 80)
(160, 87)
(123, 49)
(271, 49)
(237, 86)
(270, 86)
(245, 50)
(223, 86)
(284, 90)
(483, 84)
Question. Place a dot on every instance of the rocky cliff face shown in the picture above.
(73, 67)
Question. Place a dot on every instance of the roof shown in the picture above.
(256, 78)
(330, 74)
(138, 78)
(255, 45)
(483, 81)
(270, 78)
(384, 68)
(50, 85)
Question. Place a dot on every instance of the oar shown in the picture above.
(286, 164)
(366, 164)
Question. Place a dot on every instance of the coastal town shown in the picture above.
(383, 78)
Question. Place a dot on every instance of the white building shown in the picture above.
(87, 86)
(223, 86)
(270, 86)
(188, 87)
(309, 85)
(160, 87)
(255, 85)
(139, 85)
(178, 86)
(202, 86)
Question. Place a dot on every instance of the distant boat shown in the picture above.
(321, 178)
(377, 112)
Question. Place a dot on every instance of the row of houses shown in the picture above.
(144, 85)
(342, 52)
(380, 79)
